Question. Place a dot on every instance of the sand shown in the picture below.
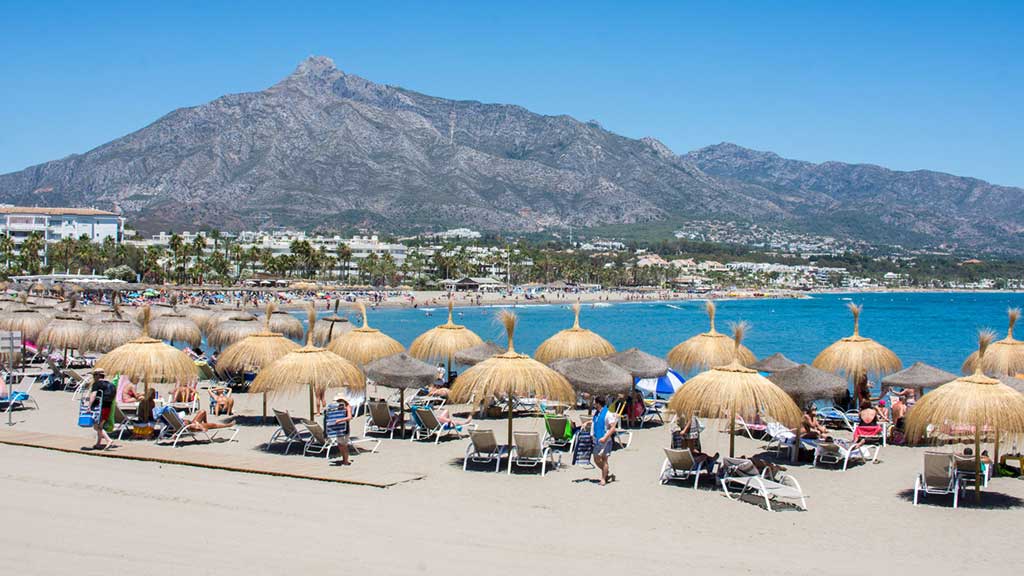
(72, 513)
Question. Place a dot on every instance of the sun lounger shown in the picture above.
(753, 430)
(380, 420)
(782, 439)
(835, 418)
(175, 430)
(557, 432)
(484, 449)
(742, 473)
(938, 477)
(122, 423)
(320, 442)
(287, 432)
(965, 469)
(529, 451)
(427, 426)
(680, 465)
(20, 395)
(841, 452)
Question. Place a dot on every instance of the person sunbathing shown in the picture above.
(200, 422)
(438, 391)
(447, 420)
(183, 394)
(223, 403)
(129, 395)
(810, 428)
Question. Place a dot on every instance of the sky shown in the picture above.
(908, 85)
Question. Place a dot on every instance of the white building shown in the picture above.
(55, 224)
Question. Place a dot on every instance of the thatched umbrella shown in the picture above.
(111, 332)
(66, 331)
(732, 389)
(444, 341)
(220, 316)
(1004, 357)
(199, 314)
(159, 309)
(595, 376)
(25, 320)
(364, 344)
(308, 367)
(977, 401)
(401, 371)
(640, 364)
(807, 383)
(286, 324)
(919, 376)
(148, 360)
(856, 356)
(509, 375)
(478, 353)
(255, 351)
(176, 327)
(774, 363)
(711, 348)
(573, 342)
(330, 327)
(238, 326)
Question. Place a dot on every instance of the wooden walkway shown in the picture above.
(251, 462)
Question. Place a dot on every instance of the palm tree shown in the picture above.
(6, 250)
(28, 256)
(344, 254)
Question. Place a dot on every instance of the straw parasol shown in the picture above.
(219, 316)
(66, 331)
(286, 324)
(478, 353)
(331, 327)
(237, 326)
(1005, 357)
(595, 376)
(774, 363)
(444, 341)
(806, 383)
(508, 375)
(176, 327)
(977, 401)
(919, 376)
(111, 332)
(199, 314)
(27, 320)
(401, 371)
(712, 348)
(732, 389)
(856, 356)
(364, 344)
(308, 367)
(148, 360)
(640, 364)
(573, 342)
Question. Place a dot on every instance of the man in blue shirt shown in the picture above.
(603, 429)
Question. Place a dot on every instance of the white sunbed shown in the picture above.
(176, 429)
(483, 448)
(680, 465)
(939, 477)
(287, 432)
(841, 452)
(742, 474)
(528, 451)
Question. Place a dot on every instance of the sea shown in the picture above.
(936, 328)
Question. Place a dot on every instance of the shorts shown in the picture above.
(603, 448)
(341, 439)
(104, 415)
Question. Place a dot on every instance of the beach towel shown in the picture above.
(869, 431)
(332, 427)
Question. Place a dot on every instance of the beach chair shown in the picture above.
(287, 432)
(783, 441)
(965, 469)
(753, 430)
(76, 380)
(871, 433)
(527, 450)
(558, 432)
(175, 430)
(122, 423)
(18, 397)
(742, 474)
(427, 426)
(319, 442)
(939, 477)
(680, 465)
(833, 417)
(484, 449)
(841, 452)
(380, 419)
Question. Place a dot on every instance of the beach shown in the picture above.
(90, 514)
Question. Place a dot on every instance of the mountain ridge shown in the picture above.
(325, 148)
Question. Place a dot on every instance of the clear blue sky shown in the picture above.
(937, 85)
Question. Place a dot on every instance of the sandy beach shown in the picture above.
(90, 515)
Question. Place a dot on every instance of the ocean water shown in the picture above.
(937, 328)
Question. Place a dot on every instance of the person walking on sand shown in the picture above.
(101, 395)
(603, 429)
(343, 424)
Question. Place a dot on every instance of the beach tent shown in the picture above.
(665, 385)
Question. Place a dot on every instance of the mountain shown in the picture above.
(323, 147)
(874, 203)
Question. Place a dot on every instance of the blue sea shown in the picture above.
(937, 328)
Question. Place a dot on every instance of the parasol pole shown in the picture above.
(511, 400)
(312, 416)
(401, 410)
(995, 461)
(977, 463)
(732, 430)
